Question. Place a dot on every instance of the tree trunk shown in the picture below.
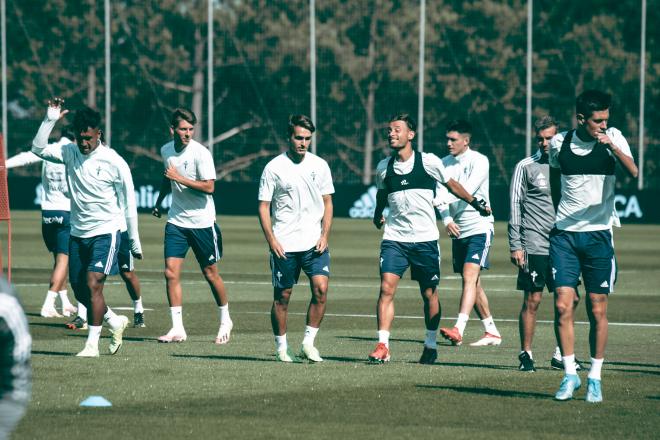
(370, 110)
(198, 82)
(91, 86)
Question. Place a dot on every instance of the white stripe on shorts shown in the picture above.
(111, 253)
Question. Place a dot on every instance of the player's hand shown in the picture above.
(55, 110)
(518, 258)
(321, 245)
(378, 221)
(156, 212)
(136, 248)
(604, 139)
(172, 173)
(136, 255)
(277, 249)
(481, 207)
(453, 230)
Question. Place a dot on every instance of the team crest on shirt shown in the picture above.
(98, 170)
(313, 176)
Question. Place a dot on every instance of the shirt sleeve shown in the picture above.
(22, 159)
(381, 171)
(326, 186)
(434, 167)
(205, 165)
(518, 192)
(478, 174)
(555, 147)
(619, 141)
(40, 146)
(266, 185)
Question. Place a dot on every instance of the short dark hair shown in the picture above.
(544, 122)
(86, 118)
(405, 117)
(182, 114)
(460, 125)
(591, 101)
(300, 121)
(68, 132)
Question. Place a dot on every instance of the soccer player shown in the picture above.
(532, 216)
(190, 176)
(15, 371)
(100, 183)
(406, 182)
(295, 212)
(471, 232)
(55, 213)
(581, 242)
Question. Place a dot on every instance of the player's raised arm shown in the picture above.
(40, 146)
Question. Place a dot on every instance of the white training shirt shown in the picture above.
(587, 201)
(100, 183)
(55, 194)
(190, 208)
(411, 216)
(471, 169)
(296, 192)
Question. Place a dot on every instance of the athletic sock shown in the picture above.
(461, 322)
(384, 337)
(177, 317)
(223, 313)
(280, 342)
(596, 366)
(93, 335)
(82, 311)
(430, 340)
(528, 352)
(569, 364)
(557, 354)
(137, 306)
(310, 335)
(112, 319)
(64, 298)
(489, 326)
(49, 302)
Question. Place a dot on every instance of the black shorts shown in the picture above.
(536, 275)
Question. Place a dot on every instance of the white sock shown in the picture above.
(280, 342)
(82, 311)
(384, 337)
(112, 319)
(64, 298)
(569, 364)
(461, 322)
(310, 335)
(223, 313)
(430, 340)
(596, 366)
(177, 317)
(528, 352)
(557, 354)
(137, 306)
(49, 302)
(489, 326)
(93, 334)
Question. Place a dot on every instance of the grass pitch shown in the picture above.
(200, 390)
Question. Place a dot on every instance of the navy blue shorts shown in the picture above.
(55, 229)
(93, 254)
(206, 243)
(536, 275)
(125, 258)
(590, 253)
(423, 259)
(287, 271)
(473, 249)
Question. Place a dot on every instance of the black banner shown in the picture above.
(355, 201)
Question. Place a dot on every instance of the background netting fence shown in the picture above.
(367, 69)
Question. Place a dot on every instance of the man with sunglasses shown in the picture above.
(295, 212)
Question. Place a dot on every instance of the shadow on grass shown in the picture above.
(345, 359)
(224, 358)
(488, 391)
(623, 370)
(52, 353)
(48, 324)
(365, 338)
(632, 364)
(466, 365)
(653, 397)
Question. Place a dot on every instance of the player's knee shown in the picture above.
(532, 303)
(210, 273)
(283, 296)
(319, 295)
(171, 274)
(387, 289)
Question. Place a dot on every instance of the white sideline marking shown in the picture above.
(355, 315)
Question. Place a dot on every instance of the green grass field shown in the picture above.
(200, 390)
